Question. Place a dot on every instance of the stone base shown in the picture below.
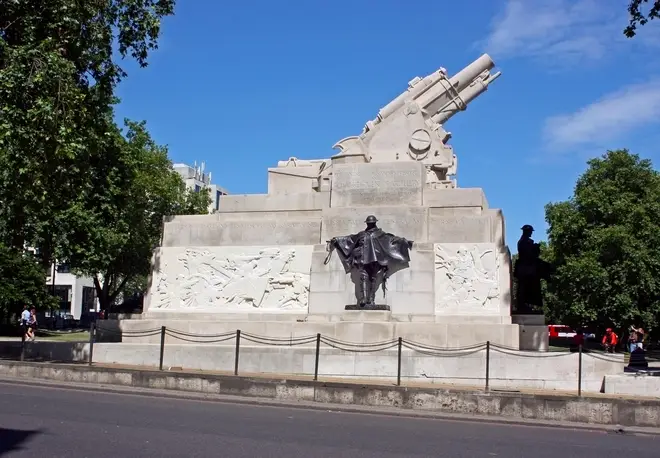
(355, 326)
(367, 307)
(533, 332)
(508, 369)
(637, 385)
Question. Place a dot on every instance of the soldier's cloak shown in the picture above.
(377, 246)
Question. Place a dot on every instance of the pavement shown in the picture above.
(50, 421)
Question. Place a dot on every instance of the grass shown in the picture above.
(59, 336)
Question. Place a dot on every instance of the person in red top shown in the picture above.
(578, 338)
(610, 339)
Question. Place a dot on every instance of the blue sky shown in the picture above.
(242, 85)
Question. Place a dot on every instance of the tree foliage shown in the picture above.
(111, 231)
(64, 165)
(638, 17)
(605, 244)
(21, 282)
(58, 74)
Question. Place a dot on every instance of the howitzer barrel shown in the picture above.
(436, 90)
(439, 95)
(462, 79)
(445, 91)
(467, 95)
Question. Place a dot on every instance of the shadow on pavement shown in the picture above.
(12, 439)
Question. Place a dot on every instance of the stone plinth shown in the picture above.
(376, 326)
(261, 271)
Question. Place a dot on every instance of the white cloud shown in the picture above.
(606, 120)
(564, 31)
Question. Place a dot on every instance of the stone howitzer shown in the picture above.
(410, 127)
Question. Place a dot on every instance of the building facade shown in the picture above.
(196, 178)
(77, 295)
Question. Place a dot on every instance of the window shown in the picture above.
(88, 295)
(198, 188)
(217, 200)
(63, 269)
(63, 293)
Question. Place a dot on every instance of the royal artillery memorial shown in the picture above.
(261, 264)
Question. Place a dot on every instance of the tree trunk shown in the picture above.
(102, 293)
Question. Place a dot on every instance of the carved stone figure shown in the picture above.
(466, 277)
(529, 270)
(373, 253)
(266, 278)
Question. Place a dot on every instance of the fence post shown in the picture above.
(398, 364)
(162, 347)
(579, 370)
(238, 348)
(487, 365)
(316, 361)
(92, 338)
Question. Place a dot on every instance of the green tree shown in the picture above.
(605, 245)
(638, 17)
(21, 282)
(112, 230)
(58, 74)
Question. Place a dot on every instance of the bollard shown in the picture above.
(162, 347)
(580, 370)
(238, 348)
(316, 361)
(398, 365)
(92, 337)
(487, 365)
(22, 342)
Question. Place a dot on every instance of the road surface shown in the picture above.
(51, 422)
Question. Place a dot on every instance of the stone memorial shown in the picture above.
(259, 263)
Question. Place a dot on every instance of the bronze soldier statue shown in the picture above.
(373, 253)
(529, 270)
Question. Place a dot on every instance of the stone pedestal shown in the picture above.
(267, 271)
(533, 332)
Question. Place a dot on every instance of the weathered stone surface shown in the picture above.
(368, 185)
(455, 198)
(232, 279)
(274, 202)
(498, 226)
(408, 222)
(275, 228)
(459, 228)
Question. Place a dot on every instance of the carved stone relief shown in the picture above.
(467, 278)
(233, 278)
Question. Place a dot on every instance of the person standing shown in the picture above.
(32, 325)
(25, 322)
(639, 338)
(632, 339)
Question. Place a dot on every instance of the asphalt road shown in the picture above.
(50, 422)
